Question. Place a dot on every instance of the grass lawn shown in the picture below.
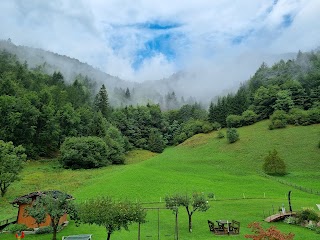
(203, 163)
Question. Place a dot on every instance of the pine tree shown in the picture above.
(102, 101)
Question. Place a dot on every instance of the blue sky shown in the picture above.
(147, 40)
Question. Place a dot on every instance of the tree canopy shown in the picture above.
(11, 162)
(111, 214)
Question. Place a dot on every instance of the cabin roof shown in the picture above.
(34, 195)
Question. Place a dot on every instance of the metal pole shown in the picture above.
(139, 231)
(158, 223)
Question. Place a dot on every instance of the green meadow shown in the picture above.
(203, 163)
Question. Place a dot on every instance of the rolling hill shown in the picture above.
(203, 163)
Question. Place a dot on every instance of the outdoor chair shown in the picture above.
(235, 227)
(211, 227)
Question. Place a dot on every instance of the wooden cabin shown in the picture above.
(25, 201)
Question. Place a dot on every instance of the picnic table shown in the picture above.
(224, 225)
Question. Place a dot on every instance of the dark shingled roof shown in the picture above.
(34, 195)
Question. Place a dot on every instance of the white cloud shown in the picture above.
(107, 35)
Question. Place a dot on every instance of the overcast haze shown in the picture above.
(222, 41)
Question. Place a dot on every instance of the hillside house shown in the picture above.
(25, 201)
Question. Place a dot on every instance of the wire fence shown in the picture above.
(301, 188)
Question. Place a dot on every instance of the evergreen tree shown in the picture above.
(102, 102)
(155, 141)
(127, 94)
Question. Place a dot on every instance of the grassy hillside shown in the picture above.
(203, 163)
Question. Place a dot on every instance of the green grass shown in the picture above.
(203, 163)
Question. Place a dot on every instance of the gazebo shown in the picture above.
(26, 200)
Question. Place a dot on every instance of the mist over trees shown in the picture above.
(40, 110)
(290, 87)
(120, 92)
(43, 112)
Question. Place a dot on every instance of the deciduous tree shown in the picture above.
(197, 202)
(11, 159)
(53, 204)
(273, 164)
(113, 215)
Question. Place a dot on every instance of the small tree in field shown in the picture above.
(111, 214)
(232, 135)
(197, 202)
(274, 165)
(53, 204)
(11, 159)
(272, 233)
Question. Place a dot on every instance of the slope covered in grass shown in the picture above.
(203, 163)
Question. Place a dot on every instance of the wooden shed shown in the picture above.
(26, 200)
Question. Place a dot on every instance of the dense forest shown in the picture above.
(287, 92)
(45, 113)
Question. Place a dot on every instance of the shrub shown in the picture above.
(290, 220)
(307, 215)
(314, 115)
(44, 230)
(298, 117)
(47, 229)
(232, 135)
(234, 121)
(216, 126)
(270, 233)
(180, 138)
(207, 127)
(84, 152)
(274, 165)
(278, 119)
(220, 134)
(210, 195)
(16, 228)
(249, 117)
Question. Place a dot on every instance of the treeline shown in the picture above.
(41, 111)
(290, 90)
(44, 113)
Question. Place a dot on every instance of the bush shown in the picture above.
(234, 121)
(216, 126)
(211, 195)
(44, 230)
(220, 134)
(314, 115)
(307, 215)
(278, 119)
(299, 117)
(207, 127)
(232, 135)
(84, 152)
(47, 229)
(180, 138)
(274, 165)
(16, 228)
(249, 117)
(290, 220)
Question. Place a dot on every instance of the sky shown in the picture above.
(223, 40)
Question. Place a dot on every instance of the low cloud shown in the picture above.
(220, 42)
